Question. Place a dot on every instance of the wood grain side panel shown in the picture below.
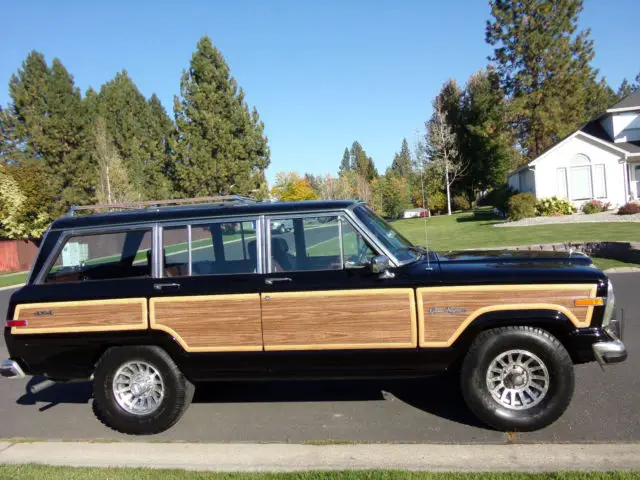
(346, 319)
(211, 323)
(444, 312)
(82, 316)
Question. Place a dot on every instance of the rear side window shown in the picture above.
(103, 256)
(217, 248)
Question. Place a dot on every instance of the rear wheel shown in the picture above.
(140, 390)
(517, 378)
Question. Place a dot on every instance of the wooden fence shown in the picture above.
(17, 255)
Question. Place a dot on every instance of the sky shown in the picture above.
(322, 73)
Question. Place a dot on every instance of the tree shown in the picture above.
(485, 139)
(141, 133)
(113, 178)
(625, 89)
(345, 164)
(46, 122)
(441, 148)
(391, 196)
(544, 66)
(220, 146)
(289, 187)
(361, 163)
(315, 182)
(402, 161)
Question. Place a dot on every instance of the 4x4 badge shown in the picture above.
(44, 312)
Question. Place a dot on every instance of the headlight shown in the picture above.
(608, 309)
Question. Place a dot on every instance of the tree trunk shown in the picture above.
(446, 180)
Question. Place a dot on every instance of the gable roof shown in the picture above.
(630, 102)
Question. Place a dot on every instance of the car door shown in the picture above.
(208, 293)
(319, 293)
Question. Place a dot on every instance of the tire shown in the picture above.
(518, 409)
(116, 411)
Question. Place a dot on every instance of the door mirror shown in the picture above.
(379, 264)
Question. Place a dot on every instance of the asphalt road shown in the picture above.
(605, 407)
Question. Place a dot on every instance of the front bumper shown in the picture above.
(612, 350)
(11, 369)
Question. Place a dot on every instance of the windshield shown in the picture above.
(393, 240)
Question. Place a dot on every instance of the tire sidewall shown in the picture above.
(561, 381)
(114, 415)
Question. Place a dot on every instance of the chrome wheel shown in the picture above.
(138, 388)
(518, 379)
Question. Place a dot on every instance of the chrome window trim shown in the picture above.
(156, 269)
(56, 250)
(348, 216)
(188, 224)
(341, 241)
(371, 238)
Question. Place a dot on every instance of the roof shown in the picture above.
(630, 102)
(182, 212)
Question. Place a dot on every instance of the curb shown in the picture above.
(288, 457)
(10, 287)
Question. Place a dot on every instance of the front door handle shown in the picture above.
(271, 281)
(166, 286)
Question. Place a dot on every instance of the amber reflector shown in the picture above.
(589, 302)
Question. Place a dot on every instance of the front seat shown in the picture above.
(281, 259)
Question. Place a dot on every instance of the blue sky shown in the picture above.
(321, 73)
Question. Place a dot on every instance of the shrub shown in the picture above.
(554, 206)
(522, 205)
(595, 206)
(460, 202)
(437, 202)
(499, 197)
(630, 208)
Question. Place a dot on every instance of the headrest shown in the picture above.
(279, 244)
(252, 249)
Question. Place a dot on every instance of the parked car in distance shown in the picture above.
(149, 302)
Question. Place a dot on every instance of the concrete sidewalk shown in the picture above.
(289, 457)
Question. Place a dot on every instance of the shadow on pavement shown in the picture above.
(56, 394)
(437, 395)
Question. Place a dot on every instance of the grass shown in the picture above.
(13, 279)
(476, 230)
(37, 472)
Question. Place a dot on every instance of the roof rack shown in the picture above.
(221, 199)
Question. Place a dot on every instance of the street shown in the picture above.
(604, 408)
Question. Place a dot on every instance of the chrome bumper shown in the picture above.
(11, 369)
(612, 351)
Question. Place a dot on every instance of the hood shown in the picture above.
(514, 256)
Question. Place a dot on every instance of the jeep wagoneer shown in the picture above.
(148, 299)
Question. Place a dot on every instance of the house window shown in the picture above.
(563, 189)
(586, 181)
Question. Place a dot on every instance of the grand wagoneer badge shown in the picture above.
(451, 310)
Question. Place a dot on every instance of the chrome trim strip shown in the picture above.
(156, 248)
(11, 369)
(259, 222)
(371, 239)
(268, 243)
(341, 242)
(189, 252)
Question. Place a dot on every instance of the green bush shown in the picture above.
(630, 208)
(499, 197)
(522, 205)
(595, 206)
(546, 207)
(460, 202)
(437, 202)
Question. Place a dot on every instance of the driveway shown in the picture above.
(605, 406)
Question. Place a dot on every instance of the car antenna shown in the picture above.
(426, 236)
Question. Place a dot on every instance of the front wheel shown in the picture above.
(517, 378)
(140, 390)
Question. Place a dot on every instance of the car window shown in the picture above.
(103, 256)
(316, 243)
(215, 249)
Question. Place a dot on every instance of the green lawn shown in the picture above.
(34, 472)
(13, 278)
(475, 230)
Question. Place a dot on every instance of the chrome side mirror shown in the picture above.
(379, 264)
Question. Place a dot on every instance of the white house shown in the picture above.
(599, 161)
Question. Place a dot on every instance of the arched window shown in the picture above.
(582, 180)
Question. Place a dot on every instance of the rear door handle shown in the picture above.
(166, 286)
(271, 281)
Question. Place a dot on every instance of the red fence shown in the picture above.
(17, 255)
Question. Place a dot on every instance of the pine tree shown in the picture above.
(345, 165)
(361, 163)
(402, 161)
(485, 141)
(141, 132)
(544, 66)
(220, 147)
(46, 122)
